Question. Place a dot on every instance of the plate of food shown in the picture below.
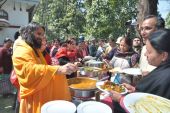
(107, 86)
(145, 103)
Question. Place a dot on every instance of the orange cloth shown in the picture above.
(38, 81)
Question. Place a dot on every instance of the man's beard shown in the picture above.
(37, 42)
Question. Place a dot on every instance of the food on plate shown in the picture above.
(151, 104)
(82, 83)
(89, 69)
(112, 86)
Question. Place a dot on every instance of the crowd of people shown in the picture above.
(42, 66)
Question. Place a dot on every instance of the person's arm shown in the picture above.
(110, 55)
(67, 69)
(2, 54)
(135, 59)
(1, 67)
(117, 96)
(129, 87)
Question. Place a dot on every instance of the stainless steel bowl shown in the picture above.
(93, 63)
(89, 73)
(81, 93)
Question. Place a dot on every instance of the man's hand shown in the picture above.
(67, 69)
(130, 88)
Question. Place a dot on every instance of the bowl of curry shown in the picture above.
(82, 87)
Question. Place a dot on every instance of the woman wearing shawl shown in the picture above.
(124, 56)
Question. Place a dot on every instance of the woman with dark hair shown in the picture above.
(5, 57)
(39, 82)
(5, 67)
(67, 54)
(55, 47)
(158, 54)
(124, 56)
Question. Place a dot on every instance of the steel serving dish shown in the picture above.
(82, 87)
(93, 63)
(89, 71)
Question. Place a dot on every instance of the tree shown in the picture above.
(168, 20)
(98, 18)
(146, 7)
(105, 17)
(62, 17)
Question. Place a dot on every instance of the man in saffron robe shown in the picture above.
(39, 82)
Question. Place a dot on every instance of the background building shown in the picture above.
(13, 14)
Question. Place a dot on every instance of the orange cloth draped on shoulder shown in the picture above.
(38, 81)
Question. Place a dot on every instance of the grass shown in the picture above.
(6, 104)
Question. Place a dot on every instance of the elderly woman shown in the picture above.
(158, 54)
(39, 82)
(124, 56)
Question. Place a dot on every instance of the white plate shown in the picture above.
(93, 107)
(58, 106)
(100, 83)
(130, 99)
(132, 71)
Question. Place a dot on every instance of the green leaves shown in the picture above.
(97, 18)
(109, 17)
(168, 20)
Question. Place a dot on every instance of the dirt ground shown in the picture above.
(6, 104)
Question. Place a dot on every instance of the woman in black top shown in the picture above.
(158, 54)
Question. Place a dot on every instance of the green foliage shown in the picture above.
(97, 18)
(108, 17)
(168, 20)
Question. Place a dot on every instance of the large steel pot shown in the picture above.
(83, 92)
